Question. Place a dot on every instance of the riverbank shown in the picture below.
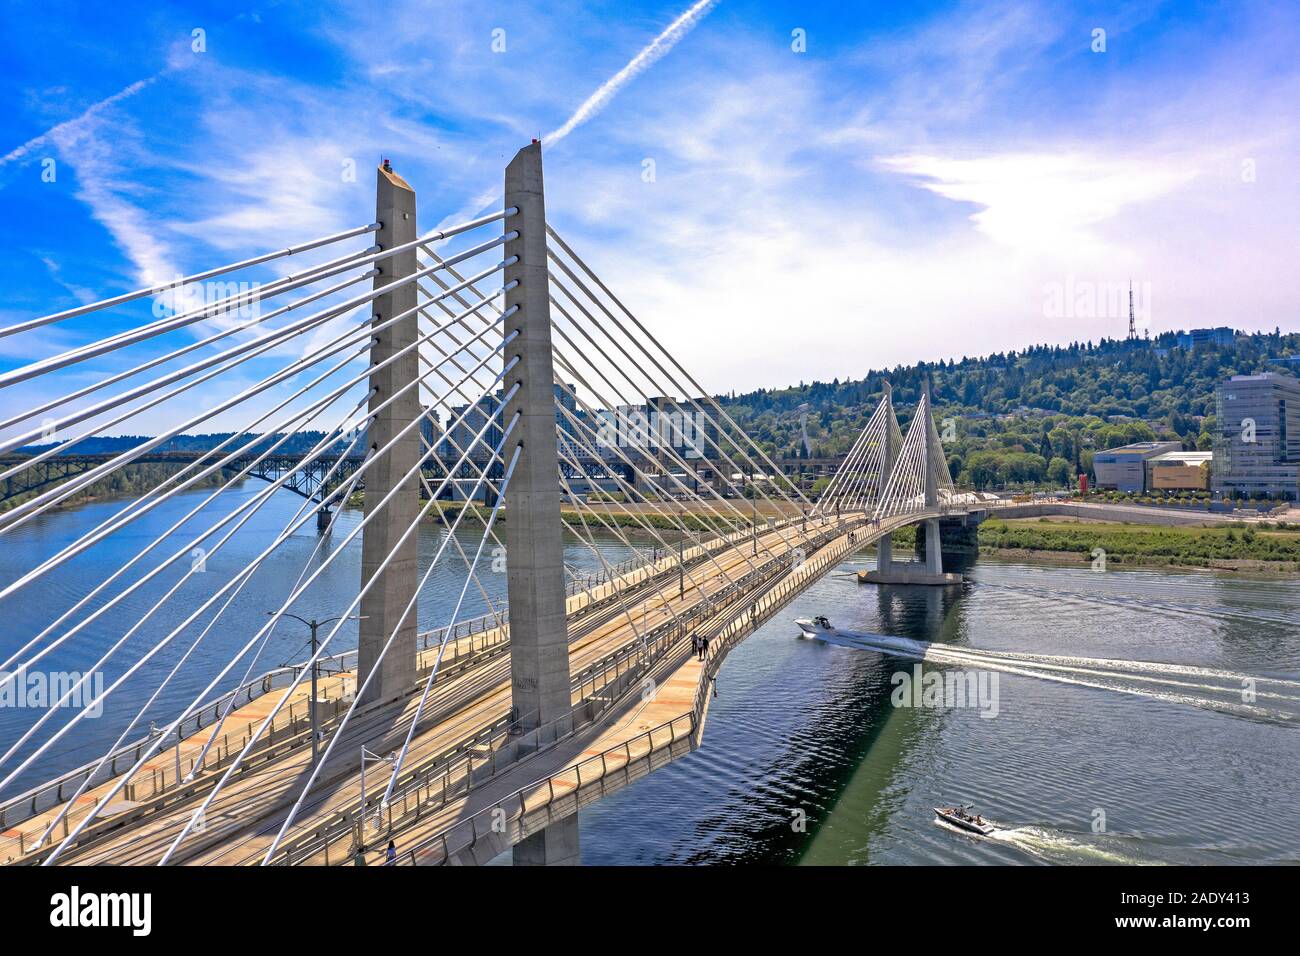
(1255, 550)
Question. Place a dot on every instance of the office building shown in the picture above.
(1179, 471)
(1257, 437)
(1124, 468)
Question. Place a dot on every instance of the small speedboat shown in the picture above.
(963, 818)
(814, 627)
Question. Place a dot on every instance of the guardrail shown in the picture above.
(431, 784)
(53, 792)
(506, 821)
(297, 715)
(23, 806)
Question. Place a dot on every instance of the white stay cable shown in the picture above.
(645, 332)
(183, 350)
(216, 730)
(126, 778)
(68, 726)
(375, 577)
(186, 280)
(602, 327)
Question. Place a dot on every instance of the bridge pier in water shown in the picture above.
(539, 636)
(928, 570)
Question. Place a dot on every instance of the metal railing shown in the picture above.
(290, 723)
(296, 717)
(599, 687)
(493, 824)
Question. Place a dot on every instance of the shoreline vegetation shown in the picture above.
(129, 481)
(1266, 548)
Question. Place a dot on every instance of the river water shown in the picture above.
(806, 760)
(37, 606)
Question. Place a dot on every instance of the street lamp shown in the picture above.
(315, 670)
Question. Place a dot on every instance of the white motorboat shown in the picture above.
(963, 818)
(814, 627)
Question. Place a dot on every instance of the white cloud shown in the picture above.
(1046, 202)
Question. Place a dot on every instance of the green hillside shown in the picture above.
(1030, 417)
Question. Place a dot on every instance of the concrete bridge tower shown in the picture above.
(920, 448)
(539, 638)
(388, 607)
(933, 553)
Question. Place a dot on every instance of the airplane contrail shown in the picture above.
(597, 101)
(73, 125)
(637, 65)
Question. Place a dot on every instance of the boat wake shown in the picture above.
(1270, 699)
(1057, 847)
(1051, 846)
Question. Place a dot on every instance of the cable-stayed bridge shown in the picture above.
(481, 374)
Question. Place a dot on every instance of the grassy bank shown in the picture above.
(1267, 548)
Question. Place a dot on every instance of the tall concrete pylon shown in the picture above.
(539, 646)
(885, 546)
(890, 451)
(384, 607)
(933, 551)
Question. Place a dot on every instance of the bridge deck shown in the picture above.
(644, 735)
(248, 811)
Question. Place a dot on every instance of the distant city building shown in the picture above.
(464, 423)
(1124, 468)
(430, 431)
(1197, 338)
(1179, 471)
(1257, 437)
(660, 430)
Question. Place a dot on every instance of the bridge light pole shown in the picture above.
(315, 671)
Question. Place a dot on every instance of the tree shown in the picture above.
(1059, 472)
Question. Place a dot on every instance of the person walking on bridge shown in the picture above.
(390, 858)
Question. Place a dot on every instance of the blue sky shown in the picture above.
(911, 186)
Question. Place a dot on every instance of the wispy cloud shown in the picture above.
(101, 174)
(650, 54)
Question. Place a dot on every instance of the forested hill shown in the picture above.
(1024, 409)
